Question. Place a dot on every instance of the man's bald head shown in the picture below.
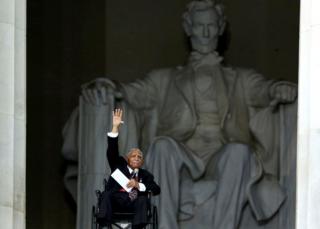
(135, 158)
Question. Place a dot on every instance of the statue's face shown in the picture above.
(204, 31)
(135, 159)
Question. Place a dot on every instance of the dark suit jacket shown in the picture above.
(118, 162)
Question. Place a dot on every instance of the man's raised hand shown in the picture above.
(116, 120)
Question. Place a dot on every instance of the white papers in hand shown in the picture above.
(121, 179)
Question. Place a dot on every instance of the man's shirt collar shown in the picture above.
(130, 169)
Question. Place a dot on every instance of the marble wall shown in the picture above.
(12, 113)
(308, 177)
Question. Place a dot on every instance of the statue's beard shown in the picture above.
(203, 47)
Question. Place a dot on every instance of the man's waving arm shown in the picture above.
(113, 150)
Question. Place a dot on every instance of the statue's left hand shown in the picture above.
(283, 92)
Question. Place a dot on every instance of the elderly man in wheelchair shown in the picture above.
(135, 197)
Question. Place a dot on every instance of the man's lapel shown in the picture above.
(141, 175)
(125, 171)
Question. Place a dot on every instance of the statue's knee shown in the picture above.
(162, 147)
(238, 151)
(161, 141)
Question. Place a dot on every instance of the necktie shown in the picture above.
(133, 194)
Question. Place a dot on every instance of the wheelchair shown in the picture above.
(123, 218)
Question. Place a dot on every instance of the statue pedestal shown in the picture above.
(93, 167)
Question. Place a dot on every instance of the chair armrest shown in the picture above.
(98, 193)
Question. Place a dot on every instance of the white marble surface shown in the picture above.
(19, 165)
(315, 6)
(20, 14)
(308, 172)
(12, 113)
(6, 169)
(7, 68)
(19, 220)
(6, 215)
(7, 11)
(20, 77)
(6, 104)
(309, 14)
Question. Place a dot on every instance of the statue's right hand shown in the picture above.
(96, 91)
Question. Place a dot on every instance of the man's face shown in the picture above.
(135, 159)
(204, 31)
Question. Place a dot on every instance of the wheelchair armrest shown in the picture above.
(149, 211)
(105, 182)
(98, 193)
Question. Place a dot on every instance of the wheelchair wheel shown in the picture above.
(155, 218)
(94, 223)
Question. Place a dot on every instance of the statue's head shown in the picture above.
(135, 158)
(204, 22)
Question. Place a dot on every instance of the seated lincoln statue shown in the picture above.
(198, 127)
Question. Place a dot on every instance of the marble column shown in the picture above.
(12, 113)
(308, 160)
